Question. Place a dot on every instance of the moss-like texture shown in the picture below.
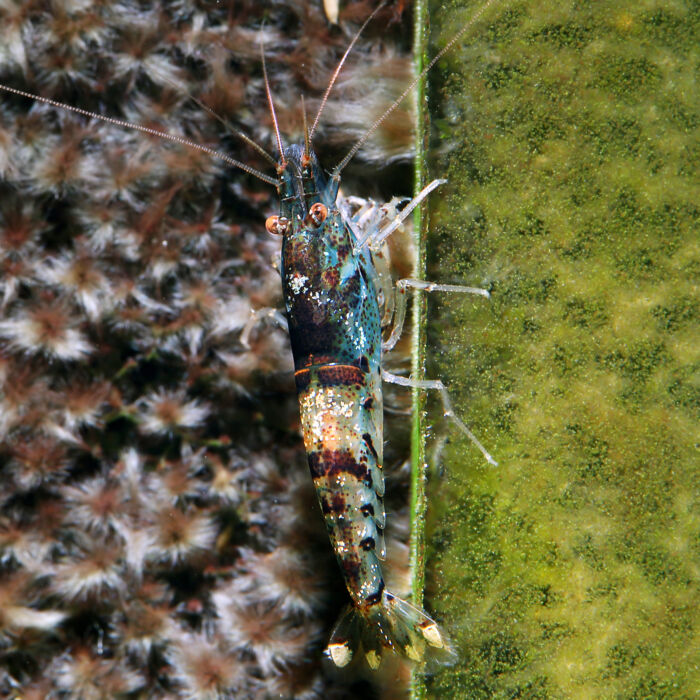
(567, 131)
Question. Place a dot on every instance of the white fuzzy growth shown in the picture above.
(25, 547)
(11, 43)
(23, 617)
(97, 573)
(61, 433)
(165, 411)
(83, 277)
(58, 166)
(82, 676)
(146, 624)
(6, 168)
(283, 577)
(206, 669)
(29, 334)
(138, 546)
(361, 95)
(83, 406)
(131, 467)
(158, 68)
(179, 535)
(231, 315)
(225, 483)
(94, 504)
(263, 631)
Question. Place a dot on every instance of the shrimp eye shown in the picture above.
(318, 213)
(277, 225)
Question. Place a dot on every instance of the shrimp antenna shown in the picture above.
(351, 154)
(224, 122)
(307, 138)
(231, 128)
(283, 162)
(146, 130)
(324, 99)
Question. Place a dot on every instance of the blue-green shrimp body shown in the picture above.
(334, 319)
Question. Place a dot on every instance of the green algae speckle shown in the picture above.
(568, 134)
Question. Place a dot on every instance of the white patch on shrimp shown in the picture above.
(297, 283)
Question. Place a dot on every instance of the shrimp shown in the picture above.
(334, 319)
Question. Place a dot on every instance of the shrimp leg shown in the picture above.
(447, 408)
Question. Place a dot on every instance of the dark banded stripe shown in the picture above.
(311, 360)
(368, 441)
(335, 462)
(302, 379)
(340, 375)
(331, 375)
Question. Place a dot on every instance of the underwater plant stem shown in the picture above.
(417, 542)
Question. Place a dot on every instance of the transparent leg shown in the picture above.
(400, 302)
(256, 317)
(446, 405)
(375, 238)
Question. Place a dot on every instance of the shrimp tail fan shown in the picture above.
(391, 625)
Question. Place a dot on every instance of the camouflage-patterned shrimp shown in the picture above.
(335, 328)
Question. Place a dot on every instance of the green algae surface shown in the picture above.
(568, 133)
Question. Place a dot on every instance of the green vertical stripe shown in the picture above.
(417, 543)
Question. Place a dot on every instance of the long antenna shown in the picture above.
(324, 99)
(146, 130)
(231, 128)
(307, 138)
(272, 104)
(351, 154)
(227, 124)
